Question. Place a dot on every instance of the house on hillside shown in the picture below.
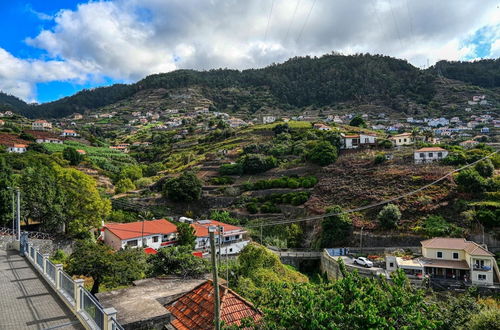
(17, 148)
(404, 139)
(354, 141)
(195, 309)
(469, 144)
(77, 116)
(121, 148)
(451, 259)
(141, 234)
(429, 155)
(268, 119)
(41, 125)
(321, 127)
(233, 237)
(69, 133)
(8, 114)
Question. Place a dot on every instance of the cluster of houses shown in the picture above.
(155, 234)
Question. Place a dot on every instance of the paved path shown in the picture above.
(27, 301)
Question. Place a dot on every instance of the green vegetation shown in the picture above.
(336, 230)
(267, 204)
(437, 226)
(186, 235)
(185, 188)
(124, 185)
(389, 216)
(72, 156)
(283, 182)
(323, 153)
(179, 261)
(357, 121)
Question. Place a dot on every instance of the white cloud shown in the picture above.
(128, 39)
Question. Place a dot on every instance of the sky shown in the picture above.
(51, 49)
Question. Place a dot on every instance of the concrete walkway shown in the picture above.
(27, 301)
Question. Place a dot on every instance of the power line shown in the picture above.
(371, 205)
(293, 18)
(269, 20)
(409, 18)
(395, 23)
(305, 22)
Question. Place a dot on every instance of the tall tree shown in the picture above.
(6, 180)
(335, 229)
(186, 235)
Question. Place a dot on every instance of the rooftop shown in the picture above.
(201, 227)
(135, 229)
(195, 309)
(430, 149)
(470, 247)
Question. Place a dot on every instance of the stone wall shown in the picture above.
(45, 246)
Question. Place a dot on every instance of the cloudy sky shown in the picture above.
(51, 49)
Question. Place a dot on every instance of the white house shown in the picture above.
(17, 148)
(428, 155)
(435, 122)
(469, 144)
(354, 141)
(233, 237)
(69, 132)
(322, 127)
(141, 234)
(268, 119)
(41, 125)
(404, 139)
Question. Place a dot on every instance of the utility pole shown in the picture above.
(212, 230)
(361, 241)
(221, 229)
(13, 213)
(18, 233)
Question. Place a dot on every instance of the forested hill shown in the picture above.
(484, 73)
(298, 82)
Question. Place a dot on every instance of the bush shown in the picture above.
(252, 208)
(386, 144)
(221, 180)
(379, 159)
(469, 180)
(223, 216)
(73, 156)
(185, 188)
(485, 168)
(257, 163)
(357, 121)
(124, 185)
(178, 261)
(154, 168)
(144, 182)
(389, 216)
(489, 218)
(436, 225)
(269, 207)
(323, 153)
(231, 169)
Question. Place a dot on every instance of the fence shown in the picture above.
(81, 302)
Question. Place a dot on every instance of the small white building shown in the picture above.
(469, 144)
(41, 125)
(322, 127)
(17, 148)
(268, 119)
(404, 139)
(430, 154)
(69, 132)
(354, 141)
(233, 237)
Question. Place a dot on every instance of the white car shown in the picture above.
(363, 262)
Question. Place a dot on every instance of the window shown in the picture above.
(231, 250)
(422, 155)
(481, 277)
(237, 236)
(455, 255)
(391, 264)
(405, 140)
(132, 243)
(439, 254)
(440, 155)
(155, 239)
(226, 238)
(430, 154)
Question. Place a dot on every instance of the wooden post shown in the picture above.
(212, 230)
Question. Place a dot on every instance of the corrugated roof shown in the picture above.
(450, 264)
(470, 247)
(135, 229)
(195, 309)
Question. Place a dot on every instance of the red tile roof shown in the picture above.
(134, 229)
(150, 250)
(195, 309)
(201, 227)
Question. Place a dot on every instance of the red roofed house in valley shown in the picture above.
(40, 125)
(156, 234)
(69, 132)
(428, 155)
(195, 309)
(233, 237)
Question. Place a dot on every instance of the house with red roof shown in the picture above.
(69, 132)
(195, 309)
(361, 140)
(429, 154)
(141, 234)
(41, 125)
(233, 238)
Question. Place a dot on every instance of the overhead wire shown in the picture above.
(395, 23)
(306, 21)
(275, 223)
(269, 20)
(291, 21)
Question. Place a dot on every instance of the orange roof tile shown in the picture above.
(195, 309)
(134, 229)
(470, 247)
(201, 227)
(430, 149)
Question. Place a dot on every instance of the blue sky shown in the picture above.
(54, 48)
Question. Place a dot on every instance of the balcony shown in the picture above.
(482, 268)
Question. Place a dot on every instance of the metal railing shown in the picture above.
(92, 308)
(82, 303)
(31, 234)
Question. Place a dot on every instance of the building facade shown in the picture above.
(429, 155)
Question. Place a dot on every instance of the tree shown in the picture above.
(487, 319)
(128, 265)
(185, 188)
(335, 229)
(124, 185)
(132, 172)
(178, 261)
(186, 235)
(469, 180)
(37, 147)
(73, 156)
(223, 216)
(485, 168)
(91, 259)
(389, 216)
(357, 121)
(281, 128)
(323, 153)
(257, 163)
(6, 180)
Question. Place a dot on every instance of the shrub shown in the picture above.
(223, 216)
(469, 180)
(489, 218)
(389, 216)
(185, 188)
(323, 153)
(73, 156)
(379, 159)
(257, 163)
(357, 121)
(144, 182)
(436, 225)
(269, 207)
(124, 185)
(386, 144)
(221, 180)
(231, 169)
(252, 208)
(485, 168)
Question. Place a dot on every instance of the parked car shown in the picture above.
(363, 262)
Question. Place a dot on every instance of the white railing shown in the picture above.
(83, 304)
